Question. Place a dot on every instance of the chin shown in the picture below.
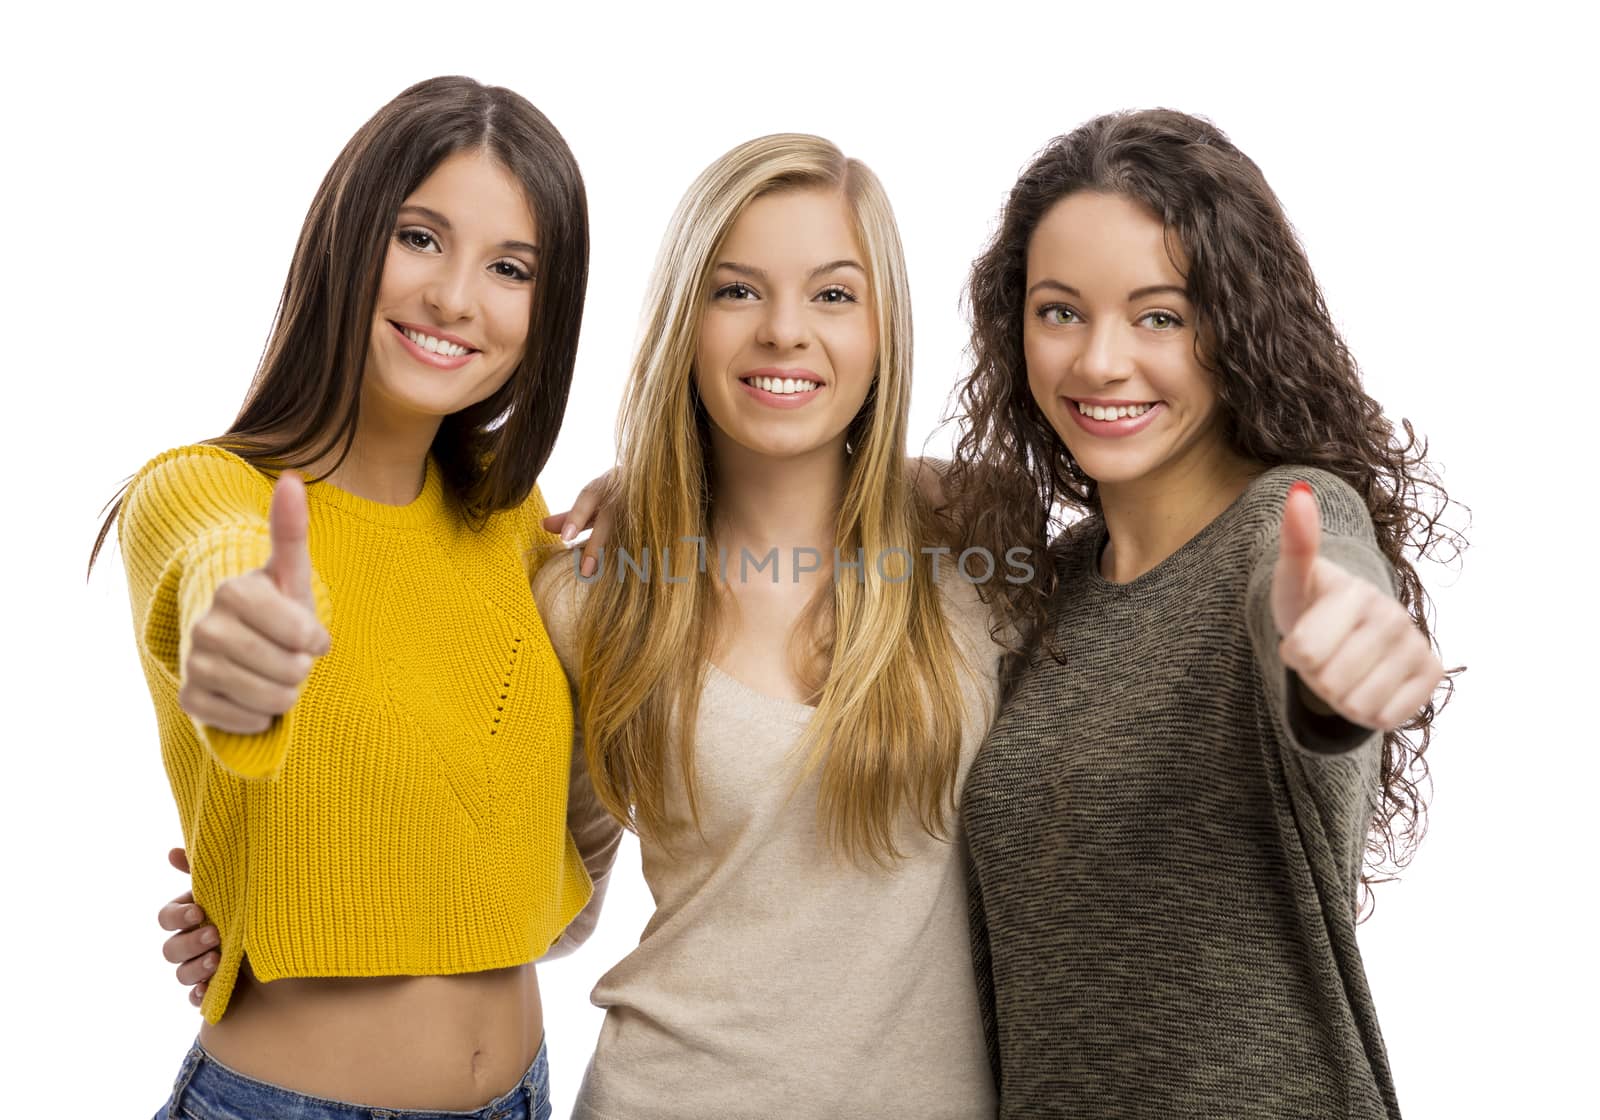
(430, 395)
(781, 449)
(786, 446)
(1112, 469)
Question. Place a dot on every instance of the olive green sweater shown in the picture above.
(1166, 846)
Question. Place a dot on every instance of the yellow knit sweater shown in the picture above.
(408, 815)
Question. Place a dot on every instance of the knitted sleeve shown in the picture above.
(597, 837)
(1347, 540)
(536, 540)
(596, 833)
(191, 519)
(982, 963)
(1330, 764)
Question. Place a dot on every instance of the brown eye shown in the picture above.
(418, 239)
(511, 270)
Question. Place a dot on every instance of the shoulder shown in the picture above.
(1343, 511)
(971, 620)
(200, 466)
(1077, 547)
(559, 595)
(1348, 536)
(197, 482)
(526, 520)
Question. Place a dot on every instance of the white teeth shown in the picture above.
(1116, 412)
(783, 386)
(435, 345)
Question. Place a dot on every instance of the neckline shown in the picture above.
(426, 507)
(1179, 559)
(792, 708)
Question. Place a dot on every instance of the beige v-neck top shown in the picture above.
(775, 978)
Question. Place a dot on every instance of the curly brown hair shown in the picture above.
(1287, 388)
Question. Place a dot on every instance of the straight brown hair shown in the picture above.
(305, 399)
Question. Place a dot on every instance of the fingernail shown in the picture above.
(588, 566)
(1301, 487)
(191, 915)
(208, 936)
(568, 531)
(211, 963)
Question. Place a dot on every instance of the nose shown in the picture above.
(450, 291)
(1107, 354)
(782, 325)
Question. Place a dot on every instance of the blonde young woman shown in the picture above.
(783, 683)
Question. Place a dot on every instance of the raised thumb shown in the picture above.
(1298, 540)
(289, 565)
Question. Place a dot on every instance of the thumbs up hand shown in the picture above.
(1356, 649)
(250, 653)
(289, 564)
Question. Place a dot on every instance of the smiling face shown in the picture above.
(788, 337)
(1109, 339)
(453, 306)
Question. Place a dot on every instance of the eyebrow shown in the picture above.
(1136, 294)
(760, 274)
(443, 223)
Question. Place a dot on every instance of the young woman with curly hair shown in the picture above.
(1229, 685)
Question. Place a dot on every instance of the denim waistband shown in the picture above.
(206, 1089)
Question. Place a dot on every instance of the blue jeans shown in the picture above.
(208, 1090)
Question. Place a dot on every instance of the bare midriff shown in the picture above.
(447, 1043)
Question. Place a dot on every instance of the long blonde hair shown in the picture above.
(886, 734)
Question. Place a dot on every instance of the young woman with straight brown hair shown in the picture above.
(367, 733)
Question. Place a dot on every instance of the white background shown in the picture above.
(158, 168)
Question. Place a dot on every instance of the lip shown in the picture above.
(438, 361)
(1113, 429)
(781, 400)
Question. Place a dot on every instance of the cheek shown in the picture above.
(1036, 360)
(401, 275)
(509, 312)
(853, 352)
(1180, 377)
(710, 359)
(713, 349)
